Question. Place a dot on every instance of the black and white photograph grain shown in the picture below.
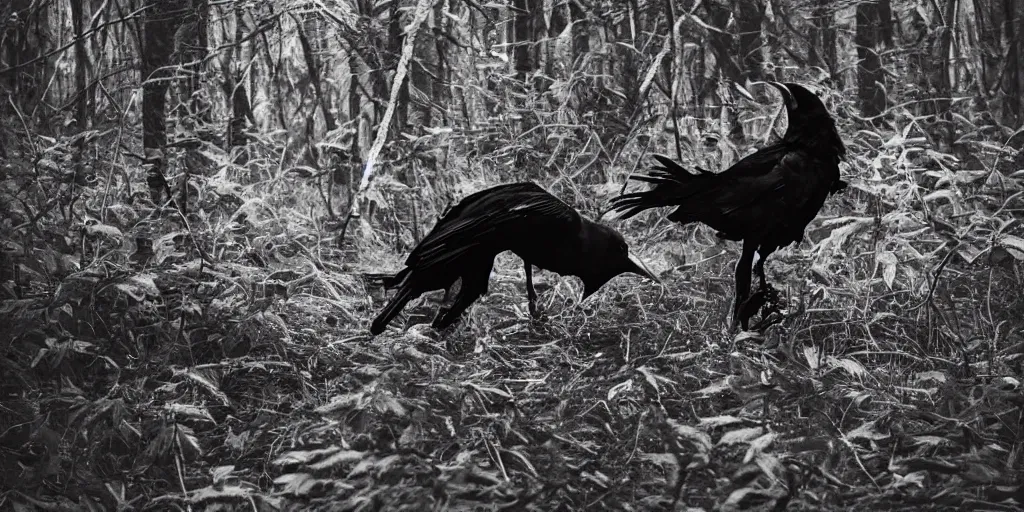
(511, 255)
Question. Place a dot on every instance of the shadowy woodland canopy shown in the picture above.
(200, 201)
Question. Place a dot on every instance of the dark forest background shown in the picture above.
(198, 201)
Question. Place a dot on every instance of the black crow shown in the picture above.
(519, 217)
(766, 199)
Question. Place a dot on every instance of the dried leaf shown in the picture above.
(1014, 245)
(717, 421)
(742, 435)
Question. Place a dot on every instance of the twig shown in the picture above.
(636, 436)
(422, 8)
(935, 277)
(853, 450)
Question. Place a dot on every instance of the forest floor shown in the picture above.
(891, 383)
(636, 399)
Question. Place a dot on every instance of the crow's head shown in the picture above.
(607, 255)
(809, 119)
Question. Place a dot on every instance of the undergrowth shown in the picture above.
(140, 376)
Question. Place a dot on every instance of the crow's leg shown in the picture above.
(443, 308)
(743, 283)
(769, 302)
(759, 270)
(531, 293)
(474, 286)
(463, 300)
(771, 293)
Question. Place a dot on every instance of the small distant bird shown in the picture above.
(766, 199)
(519, 217)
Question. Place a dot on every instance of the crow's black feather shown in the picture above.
(767, 199)
(519, 217)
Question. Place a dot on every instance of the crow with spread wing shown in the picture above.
(767, 199)
(522, 218)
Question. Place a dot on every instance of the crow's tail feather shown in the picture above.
(392, 281)
(673, 184)
(390, 311)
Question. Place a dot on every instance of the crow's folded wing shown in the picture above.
(496, 219)
(776, 204)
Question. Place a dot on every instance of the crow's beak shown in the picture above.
(787, 95)
(637, 267)
(633, 264)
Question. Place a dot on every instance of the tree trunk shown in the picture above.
(83, 95)
(631, 74)
(824, 39)
(522, 37)
(873, 32)
(580, 33)
(395, 41)
(25, 42)
(1011, 82)
(749, 16)
(82, 68)
(424, 69)
(311, 49)
(241, 109)
(162, 19)
(195, 57)
(746, 45)
(355, 109)
(947, 82)
(442, 94)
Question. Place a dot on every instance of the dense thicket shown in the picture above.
(199, 201)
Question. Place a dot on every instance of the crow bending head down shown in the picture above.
(519, 217)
